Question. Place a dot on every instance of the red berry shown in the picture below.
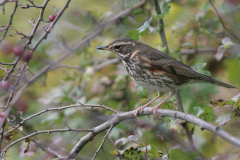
(52, 17)
(5, 85)
(2, 114)
(26, 56)
(18, 50)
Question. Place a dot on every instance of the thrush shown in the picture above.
(156, 70)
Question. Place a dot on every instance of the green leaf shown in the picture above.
(237, 103)
(198, 111)
(179, 154)
(198, 68)
(165, 10)
(142, 33)
(161, 48)
(131, 154)
(174, 52)
(145, 25)
(223, 119)
(143, 93)
(11, 134)
(137, 11)
(134, 34)
(208, 113)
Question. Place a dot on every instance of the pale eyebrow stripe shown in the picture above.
(121, 43)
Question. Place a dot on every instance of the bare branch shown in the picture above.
(197, 51)
(101, 145)
(107, 63)
(44, 131)
(177, 94)
(10, 21)
(44, 149)
(161, 24)
(59, 109)
(120, 156)
(147, 111)
(220, 18)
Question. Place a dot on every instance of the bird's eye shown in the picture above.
(117, 47)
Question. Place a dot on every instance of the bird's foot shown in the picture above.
(140, 109)
(154, 111)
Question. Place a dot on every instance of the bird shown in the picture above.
(155, 70)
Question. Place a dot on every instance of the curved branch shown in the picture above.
(10, 21)
(44, 131)
(59, 109)
(147, 111)
(220, 18)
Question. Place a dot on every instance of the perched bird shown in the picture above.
(156, 70)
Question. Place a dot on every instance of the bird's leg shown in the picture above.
(154, 110)
(148, 104)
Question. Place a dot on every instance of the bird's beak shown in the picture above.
(103, 48)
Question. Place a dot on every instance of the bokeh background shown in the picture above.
(77, 80)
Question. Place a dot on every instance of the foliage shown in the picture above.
(88, 76)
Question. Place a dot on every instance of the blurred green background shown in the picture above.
(188, 21)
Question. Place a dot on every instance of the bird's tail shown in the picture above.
(219, 83)
(216, 82)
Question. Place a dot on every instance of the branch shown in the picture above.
(177, 94)
(197, 51)
(39, 145)
(161, 24)
(44, 131)
(101, 145)
(220, 18)
(59, 109)
(147, 111)
(96, 68)
(107, 63)
(10, 21)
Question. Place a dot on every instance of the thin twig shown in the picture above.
(119, 154)
(10, 21)
(161, 24)
(198, 51)
(101, 145)
(164, 145)
(185, 126)
(9, 64)
(45, 131)
(177, 94)
(220, 18)
(40, 146)
(59, 109)
(11, 100)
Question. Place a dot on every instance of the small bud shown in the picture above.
(26, 56)
(18, 50)
(52, 17)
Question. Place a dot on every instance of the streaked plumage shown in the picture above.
(156, 70)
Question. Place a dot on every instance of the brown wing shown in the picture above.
(168, 64)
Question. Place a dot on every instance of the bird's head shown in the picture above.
(123, 47)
